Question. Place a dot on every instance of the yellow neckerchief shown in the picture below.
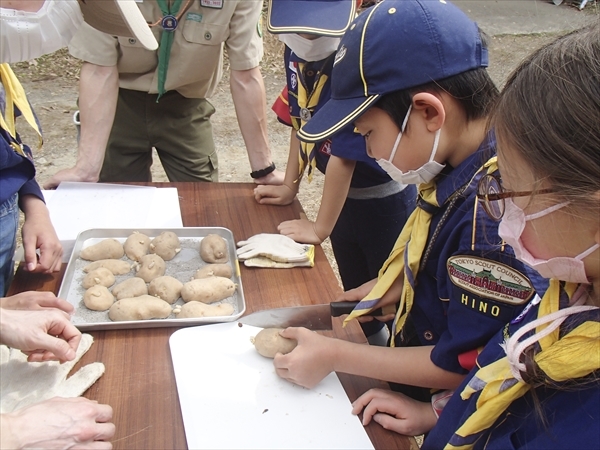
(15, 97)
(307, 155)
(414, 238)
(573, 356)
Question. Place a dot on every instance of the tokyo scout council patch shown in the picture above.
(489, 287)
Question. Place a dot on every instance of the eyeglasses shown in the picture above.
(492, 195)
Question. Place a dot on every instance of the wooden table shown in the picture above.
(139, 382)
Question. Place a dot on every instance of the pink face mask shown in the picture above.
(564, 268)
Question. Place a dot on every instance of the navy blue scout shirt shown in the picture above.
(17, 173)
(570, 418)
(347, 144)
(469, 285)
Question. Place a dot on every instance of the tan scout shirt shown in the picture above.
(195, 66)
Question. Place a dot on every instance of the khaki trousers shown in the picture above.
(178, 127)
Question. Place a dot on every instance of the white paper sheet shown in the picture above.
(75, 207)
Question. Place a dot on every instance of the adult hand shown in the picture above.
(274, 178)
(310, 361)
(274, 195)
(71, 174)
(45, 335)
(395, 411)
(33, 300)
(59, 423)
(38, 233)
(300, 230)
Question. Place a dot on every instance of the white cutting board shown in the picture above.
(231, 397)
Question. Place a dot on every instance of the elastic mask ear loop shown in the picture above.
(546, 211)
(436, 141)
(397, 142)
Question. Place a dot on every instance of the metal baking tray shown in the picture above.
(182, 267)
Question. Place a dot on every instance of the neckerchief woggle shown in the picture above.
(573, 356)
(166, 41)
(15, 97)
(308, 151)
(405, 257)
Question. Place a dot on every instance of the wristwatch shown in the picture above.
(263, 172)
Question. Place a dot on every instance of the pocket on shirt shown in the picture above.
(205, 33)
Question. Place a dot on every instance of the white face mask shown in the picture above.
(423, 174)
(562, 268)
(27, 35)
(310, 50)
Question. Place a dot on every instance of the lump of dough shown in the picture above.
(151, 267)
(98, 298)
(100, 276)
(269, 342)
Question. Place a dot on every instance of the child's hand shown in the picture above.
(309, 362)
(38, 233)
(300, 230)
(395, 411)
(274, 195)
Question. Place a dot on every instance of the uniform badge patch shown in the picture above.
(194, 17)
(339, 55)
(490, 279)
(326, 147)
(293, 81)
(216, 4)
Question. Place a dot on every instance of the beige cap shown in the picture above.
(118, 18)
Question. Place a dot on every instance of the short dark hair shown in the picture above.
(474, 90)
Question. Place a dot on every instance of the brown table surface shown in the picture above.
(139, 382)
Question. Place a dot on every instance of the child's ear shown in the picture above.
(431, 109)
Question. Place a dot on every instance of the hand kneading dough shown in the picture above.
(106, 249)
(269, 342)
(139, 308)
(98, 298)
(136, 245)
(166, 287)
(131, 287)
(151, 267)
(100, 276)
(199, 309)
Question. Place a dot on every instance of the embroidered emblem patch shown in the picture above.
(216, 4)
(293, 81)
(490, 279)
(326, 147)
(340, 55)
(194, 17)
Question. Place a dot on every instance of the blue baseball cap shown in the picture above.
(392, 46)
(320, 17)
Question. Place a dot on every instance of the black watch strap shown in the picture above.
(263, 172)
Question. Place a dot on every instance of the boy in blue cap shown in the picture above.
(362, 209)
(411, 76)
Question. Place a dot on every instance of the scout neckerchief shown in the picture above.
(573, 356)
(15, 97)
(169, 23)
(307, 103)
(407, 252)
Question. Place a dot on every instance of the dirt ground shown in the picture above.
(51, 83)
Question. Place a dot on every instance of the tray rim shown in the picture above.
(123, 233)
